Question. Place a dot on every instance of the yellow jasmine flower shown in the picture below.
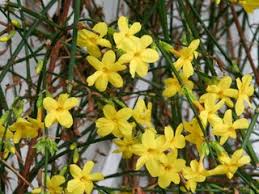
(227, 128)
(138, 55)
(114, 122)
(245, 90)
(92, 39)
(150, 151)
(248, 5)
(174, 141)
(170, 169)
(82, 181)
(222, 90)
(229, 165)
(125, 146)
(126, 33)
(195, 135)
(142, 114)
(208, 112)
(172, 86)
(106, 71)
(23, 128)
(58, 110)
(194, 174)
(53, 185)
(185, 57)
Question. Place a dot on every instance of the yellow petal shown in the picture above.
(98, 65)
(65, 119)
(17, 136)
(163, 181)
(101, 83)
(142, 68)
(115, 79)
(101, 28)
(50, 104)
(135, 28)
(75, 186)
(109, 58)
(96, 176)
(123, 24)
(241, 124)
(104, 126)
(228, 117)
(92, 79)
(109, 111)
(75, 171)
(104, 43)
(153, 167)
(133, 66)
(88, 167)
(94, 50)
(50, 118)
(124, 114)
(57, 180)
(149, 55)
(140, 162)
(70, 103)
(239, 107)
(146, 40)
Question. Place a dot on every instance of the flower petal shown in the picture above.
(92, 79)
(70, 103)
(98, 65)
(75, 186)
(75, 171)
(108, 58)
(65, 119)
(101, 83)
(146, 40)
(101, 28)
(115, 79)
(109, 111)
(134, 28)
(50, 118)
(88, 168)
(123, 24)
(50, 104)
(149, 55)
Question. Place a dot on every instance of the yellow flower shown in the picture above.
(172, 86)
(142, 114)
(245, 90)
(222, 91)
(248, 5)
(58, 111)
(125, 146)
(150, 151)
(82, 181)
(126, 33)
(195, 135)
(174, 141)
(106, 71)
(53, 185)
(114, 122)
(194, 174)
(91, 40)
(170, 168)
(185, 57)
(23, 128)
(227, 128)
(229, 165)
(209, 111)
(138, 55)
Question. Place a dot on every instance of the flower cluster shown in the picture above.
(130, 49)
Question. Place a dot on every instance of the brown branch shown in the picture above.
(15, 172)
(243, 41)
